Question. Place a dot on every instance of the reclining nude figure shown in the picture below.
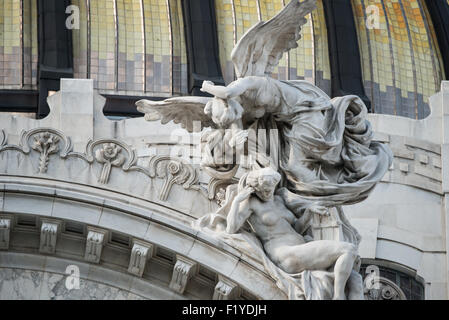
(275, 226)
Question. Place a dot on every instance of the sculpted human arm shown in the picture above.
(240, 211)
(234, 89)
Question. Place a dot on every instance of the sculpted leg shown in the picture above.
(320, 255)
(342, 271)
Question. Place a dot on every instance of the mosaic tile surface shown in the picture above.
(132, 47)
(401, 61)
(137, 47)
(18, 44)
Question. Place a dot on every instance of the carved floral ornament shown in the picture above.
(45, 141)
(46, 144)
(110, 155)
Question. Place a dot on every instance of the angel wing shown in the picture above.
(183, 110)
(262, 46)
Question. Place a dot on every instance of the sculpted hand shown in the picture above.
(244, 194)
(207, 85)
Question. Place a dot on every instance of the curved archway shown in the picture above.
(74, 221)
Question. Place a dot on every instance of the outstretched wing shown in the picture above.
(183, 110)
(258, 52)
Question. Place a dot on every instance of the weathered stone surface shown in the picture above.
(52, 169)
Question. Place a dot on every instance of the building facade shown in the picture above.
(90, 189)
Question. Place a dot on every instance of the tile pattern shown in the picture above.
(158, 48)
(80, 42)
(18, 44)
(310, 61)
(179, 53)
(401, 61)
(103, 55)
(227, 36)
(132, 47)
(137, 47)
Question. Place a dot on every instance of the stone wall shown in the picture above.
(403, 223)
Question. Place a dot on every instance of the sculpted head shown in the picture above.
(264, 181)
(223, 112)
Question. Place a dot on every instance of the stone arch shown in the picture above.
(180, 262)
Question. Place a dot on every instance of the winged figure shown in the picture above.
(256, 54)
(323, 149)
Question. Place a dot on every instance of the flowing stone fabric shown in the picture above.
(326, 152)
(327, 157)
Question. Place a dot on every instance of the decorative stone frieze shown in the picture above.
(107, 152)
(109, 155)
(174, 171)
(46, 141)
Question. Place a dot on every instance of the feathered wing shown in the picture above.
(258, 52)
(183, 110)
